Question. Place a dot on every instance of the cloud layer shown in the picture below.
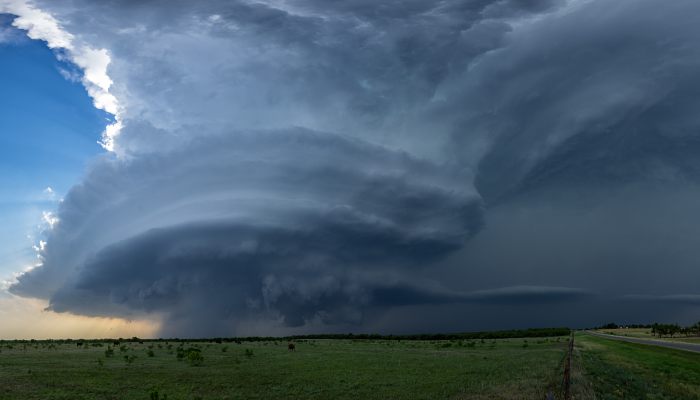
(322, 164)
(302, 224)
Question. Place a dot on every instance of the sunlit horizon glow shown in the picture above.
(28, 319)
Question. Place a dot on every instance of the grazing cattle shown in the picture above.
(291, 347)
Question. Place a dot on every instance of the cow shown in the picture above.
(291, 347)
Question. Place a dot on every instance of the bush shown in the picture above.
(109, 352)
(151, 353)
(156, 396)
(194, 357)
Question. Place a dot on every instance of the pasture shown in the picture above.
(317, 369)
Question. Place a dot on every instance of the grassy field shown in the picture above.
(645, 333)
(318, 369)
(608, 369)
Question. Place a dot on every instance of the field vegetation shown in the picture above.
(610, 369)
(524, 368)
(352, 367)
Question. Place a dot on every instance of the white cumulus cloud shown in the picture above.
(41, 25)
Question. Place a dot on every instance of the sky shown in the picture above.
(49, 131)
(228, 168)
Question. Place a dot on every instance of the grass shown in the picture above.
(645, 333)
(610, 369)
(318, 369)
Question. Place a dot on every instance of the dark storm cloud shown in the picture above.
(685, 299)
(610, 102)
(529, 294)
(574, 121)
(296, 225)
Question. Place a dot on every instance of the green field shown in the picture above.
(346, 369)
(608, 369)
(318, 369)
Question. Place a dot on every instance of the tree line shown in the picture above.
(671, 330)
(504, 334)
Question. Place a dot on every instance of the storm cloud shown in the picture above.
(376, 164)
(298, 222)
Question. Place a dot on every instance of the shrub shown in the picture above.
(151, 353)
(156, 396)
(109, 352)
(249, 353)
(194, 357)
(129, 358)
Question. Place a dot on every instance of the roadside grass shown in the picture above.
(645, 333)
(620, 370)
(318, 369)
(629, 332)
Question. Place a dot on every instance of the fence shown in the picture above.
(566, 383)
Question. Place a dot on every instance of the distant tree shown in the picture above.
(674, 329)
(662, 330)
(696, 329)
